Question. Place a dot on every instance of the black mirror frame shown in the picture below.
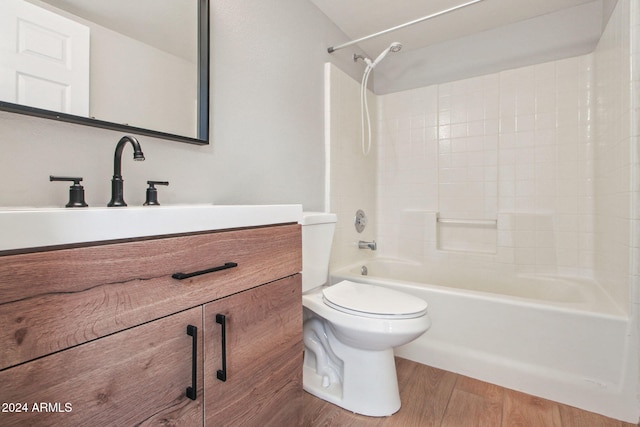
(203, 97)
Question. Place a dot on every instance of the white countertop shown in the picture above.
(22, 228)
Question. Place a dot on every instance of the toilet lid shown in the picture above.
(373, 301)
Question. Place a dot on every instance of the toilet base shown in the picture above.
(370, 385)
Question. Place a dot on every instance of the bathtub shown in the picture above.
(559, 338)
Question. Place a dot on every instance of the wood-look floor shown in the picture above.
(433, 397)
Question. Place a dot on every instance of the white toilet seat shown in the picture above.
(373, 301)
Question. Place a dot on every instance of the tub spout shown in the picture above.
(367, 245)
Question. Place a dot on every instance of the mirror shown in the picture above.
(140, 67)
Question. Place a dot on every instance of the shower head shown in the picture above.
(395, 47)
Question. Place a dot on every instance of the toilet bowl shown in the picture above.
(350, 330)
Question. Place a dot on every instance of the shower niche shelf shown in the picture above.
(471, 235)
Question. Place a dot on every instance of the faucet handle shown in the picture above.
(152, 193)
(76, 191)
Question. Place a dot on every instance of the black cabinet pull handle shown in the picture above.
(191, 391)
(222, 373)
(182, 276)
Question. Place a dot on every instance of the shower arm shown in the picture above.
(398, 27)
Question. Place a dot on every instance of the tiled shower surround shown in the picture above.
(531, 170)
(499, 167)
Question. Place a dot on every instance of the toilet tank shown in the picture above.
(317, 236)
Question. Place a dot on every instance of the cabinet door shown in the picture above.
(263, 334)
(135, 377)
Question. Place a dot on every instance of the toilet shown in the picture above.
(351, 329)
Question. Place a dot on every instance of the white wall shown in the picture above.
(568, 32)
(266, 124)
(351, 176)
(614, 159)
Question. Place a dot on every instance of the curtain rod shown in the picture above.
(424, 18)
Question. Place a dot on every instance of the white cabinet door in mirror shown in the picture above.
(44, 59)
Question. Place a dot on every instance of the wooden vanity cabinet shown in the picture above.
(103, 335)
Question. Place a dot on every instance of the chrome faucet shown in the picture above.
(367, 245)
(117, 187)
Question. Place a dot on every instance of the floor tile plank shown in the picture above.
(523, 410)
(433, 397)
(424, 395)
(474, 403)
(574, 417)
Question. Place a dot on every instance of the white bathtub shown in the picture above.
(558, 338)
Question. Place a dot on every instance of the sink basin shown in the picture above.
(23, 228)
